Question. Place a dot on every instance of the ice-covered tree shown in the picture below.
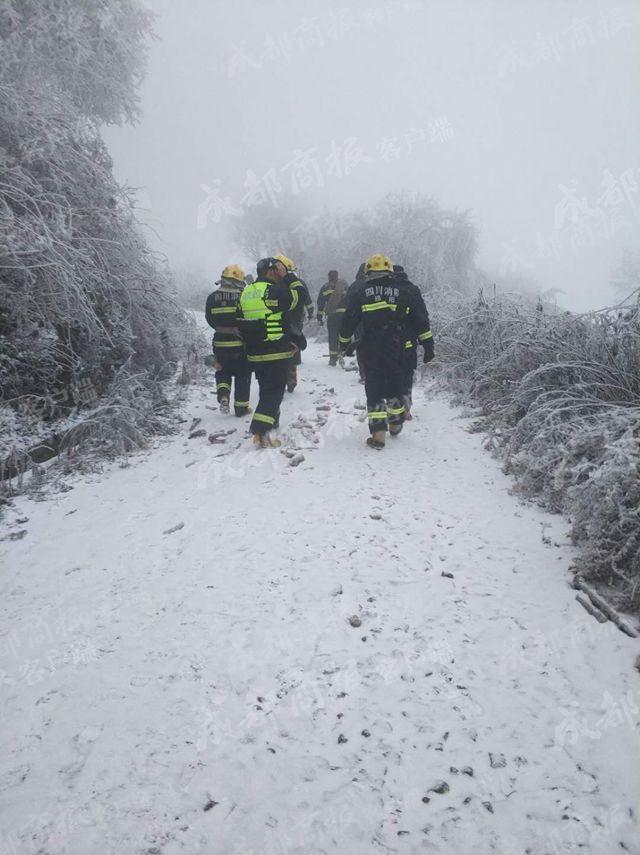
(80, 293)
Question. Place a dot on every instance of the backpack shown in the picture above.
(335, 299)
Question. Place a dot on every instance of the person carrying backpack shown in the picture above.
(331, 304)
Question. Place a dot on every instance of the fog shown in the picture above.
(524, 112)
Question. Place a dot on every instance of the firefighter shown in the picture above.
(331, 304)
(228, 347)
(263, 318)
(301, 302)
(416, 330)
(378, 303)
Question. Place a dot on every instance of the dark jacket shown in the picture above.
(379, 305)
(220, 312)
(301, 300)
(331, 297)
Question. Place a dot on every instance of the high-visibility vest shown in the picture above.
(255, 306)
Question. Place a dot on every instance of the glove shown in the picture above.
(300, 341)
(321, 319)
(429, 351)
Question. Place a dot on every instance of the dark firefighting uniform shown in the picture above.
(331, 303)
(416, 328)
(378, 304)
(263, 318)
(301, 301)
(228, 347)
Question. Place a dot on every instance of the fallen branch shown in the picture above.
(600, 603)
(586, 603)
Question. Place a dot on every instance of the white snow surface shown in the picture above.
(203, 691)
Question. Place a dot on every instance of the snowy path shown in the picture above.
(203, 691)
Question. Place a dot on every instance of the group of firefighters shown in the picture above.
(258, 328)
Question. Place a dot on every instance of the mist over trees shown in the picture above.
(626, 276)
(437, 245)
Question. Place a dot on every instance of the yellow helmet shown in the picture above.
(288, 263)
(233, 271)
(378, 262)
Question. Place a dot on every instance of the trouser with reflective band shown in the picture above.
(383, 388)
(272, 381)
(333, 326)
(234, 368)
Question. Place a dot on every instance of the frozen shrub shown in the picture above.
(562, 393)
(605, 506)
(81, 295)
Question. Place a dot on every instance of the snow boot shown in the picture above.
(376, 440)
(263, 440)
(224, 405)
(395, 429)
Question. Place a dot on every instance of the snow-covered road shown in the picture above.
(203, 690)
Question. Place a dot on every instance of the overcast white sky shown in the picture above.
(504, 107)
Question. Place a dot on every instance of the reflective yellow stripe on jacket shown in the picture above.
(269, 357)
(380, 304)
(237, 343)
